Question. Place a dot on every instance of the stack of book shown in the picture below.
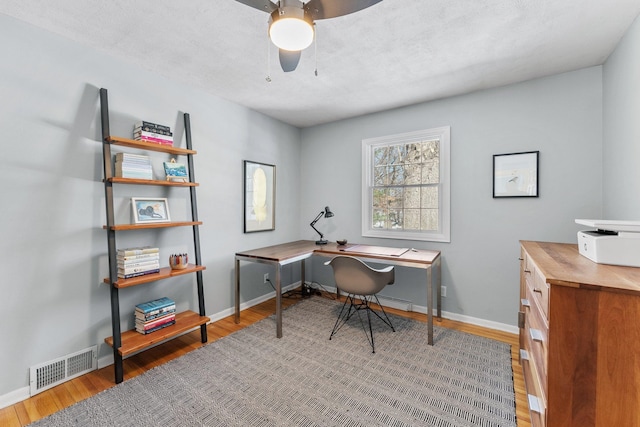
(133, 166)
(152, 132)
(154, 315)
(140, 261)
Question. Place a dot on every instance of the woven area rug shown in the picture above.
(251, 378)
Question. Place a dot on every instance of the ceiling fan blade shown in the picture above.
(325, 9)
(263, 5)
(289, 59)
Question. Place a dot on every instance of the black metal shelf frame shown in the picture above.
(111, 234)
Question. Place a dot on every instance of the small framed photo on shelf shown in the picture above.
(175, 171)
(259, 197)
(147, 210)
(515, 174)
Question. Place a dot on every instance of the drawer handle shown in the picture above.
(525, 302)
(538, 290)
(524, 354)
(527, 271)
(536, 335)
(534, 403)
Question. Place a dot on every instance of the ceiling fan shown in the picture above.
(291, 25)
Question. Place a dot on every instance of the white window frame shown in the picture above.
(444, 204)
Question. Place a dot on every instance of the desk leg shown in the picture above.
(278, 301)
(237, 313)
(302, 276)
(430, 305)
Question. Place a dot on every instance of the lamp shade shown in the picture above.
(327, 212)
(291, 29)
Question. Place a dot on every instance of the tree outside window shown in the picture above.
(405, 187)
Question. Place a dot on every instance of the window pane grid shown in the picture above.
(412, 208)
(405, 183)
(407, 189)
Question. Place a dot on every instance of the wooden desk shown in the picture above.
(300, 250)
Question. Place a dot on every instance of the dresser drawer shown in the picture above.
(536, 399)
(536, 334)
(538, 284)
(541, 292)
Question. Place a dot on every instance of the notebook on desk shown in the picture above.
(376, 250)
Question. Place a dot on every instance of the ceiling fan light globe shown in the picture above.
(291, 34)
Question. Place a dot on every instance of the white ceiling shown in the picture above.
(395, 53)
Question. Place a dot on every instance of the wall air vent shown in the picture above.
(50, 374)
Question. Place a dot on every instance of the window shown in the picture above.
(405, 186)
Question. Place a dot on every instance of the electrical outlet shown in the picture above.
(443, 291)
(266, 277)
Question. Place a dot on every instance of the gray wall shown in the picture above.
(622, 129)
(52, 212)
(560, 115)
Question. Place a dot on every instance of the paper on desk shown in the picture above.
(377, 250)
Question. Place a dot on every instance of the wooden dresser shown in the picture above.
(579, 338)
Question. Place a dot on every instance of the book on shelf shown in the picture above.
(154, 314)
(153, 256)
(133, 158)
(138, 258)
(150, 126)
(126, 265)
(133, 166)
(130, 268)
(160, 318)
(165, 136)
(142, 273)
(134, 174)
(140, 250)
(156, 304)
(154, 140)
(150, 324)
(155, 131)
(142, 164)
(157, 328)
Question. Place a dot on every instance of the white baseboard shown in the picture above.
(23, 393)
(14, 397)
(108, 359)
(247, 304)
(404, 305)
(472, 320)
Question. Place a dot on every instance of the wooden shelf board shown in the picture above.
(132, 341)
(120, 227)
(165, 273)
(132, 143)
(120, 180)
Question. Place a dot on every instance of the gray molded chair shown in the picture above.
(357, 279)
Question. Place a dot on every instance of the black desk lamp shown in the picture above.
(327, 214)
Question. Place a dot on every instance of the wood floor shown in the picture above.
(80, 388)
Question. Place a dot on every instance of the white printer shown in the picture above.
(612, 242)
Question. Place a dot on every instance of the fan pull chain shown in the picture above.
(315, 43)
(268, 78)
